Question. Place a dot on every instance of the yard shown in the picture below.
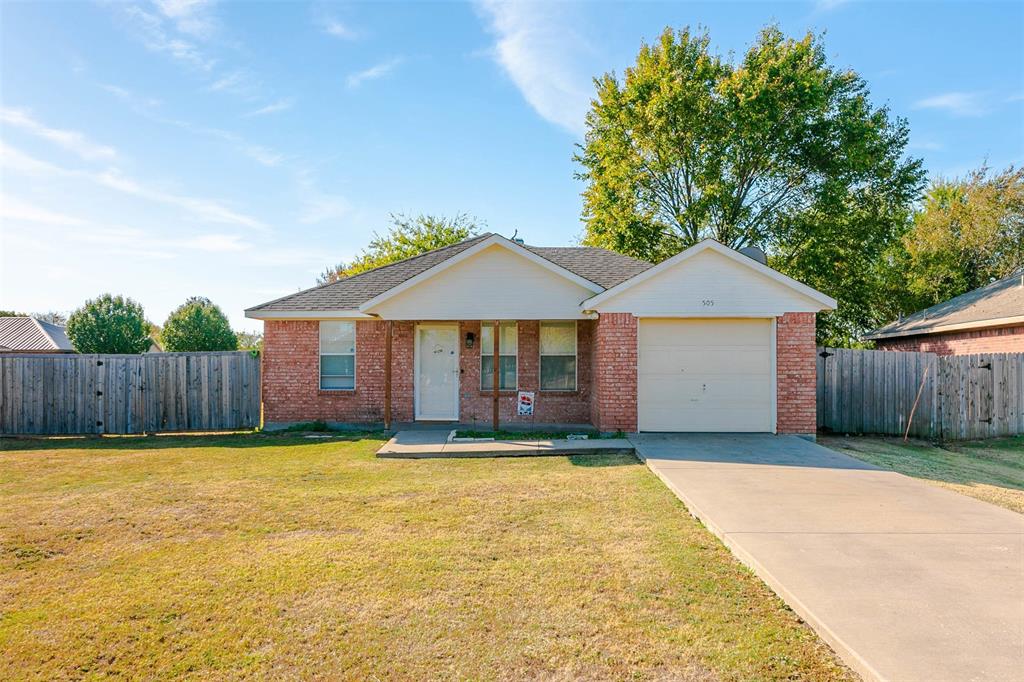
(990, 470)
(252, 555)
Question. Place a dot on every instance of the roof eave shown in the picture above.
(826, 302)
(493, 240)
(311, 314)
(879, 335)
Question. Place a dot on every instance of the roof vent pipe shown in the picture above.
(755, 253)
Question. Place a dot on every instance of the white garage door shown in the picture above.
(705, 375)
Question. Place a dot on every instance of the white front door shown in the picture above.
(437, 372)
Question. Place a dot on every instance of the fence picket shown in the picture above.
(75, 394)
(967, 396)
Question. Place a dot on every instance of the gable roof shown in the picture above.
(826, 302)
(598, 268)
(30, 334)
(996, 304)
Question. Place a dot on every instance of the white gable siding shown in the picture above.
(495, 283)
(708, 285)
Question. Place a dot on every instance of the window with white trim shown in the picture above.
(337, 355)
(558, 356)
(507, 349)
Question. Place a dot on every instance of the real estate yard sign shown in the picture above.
(525, 403)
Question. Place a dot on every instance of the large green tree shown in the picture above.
(968, 232)
(109, 324)
(779, 149)
(197, 325)
(407, 237)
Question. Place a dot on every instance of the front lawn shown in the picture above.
(990, 470)
(287, 557)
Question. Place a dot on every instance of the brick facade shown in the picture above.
(291, 374)
(550, 407)
(615, 380)
(796, 373)
(1004, 340)
(606, 375)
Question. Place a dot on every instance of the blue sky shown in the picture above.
(184, 147)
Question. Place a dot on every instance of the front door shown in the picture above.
(437, 372)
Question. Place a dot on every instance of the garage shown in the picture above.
(706, 375)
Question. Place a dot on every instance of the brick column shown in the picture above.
(613, 399)
(796, 370)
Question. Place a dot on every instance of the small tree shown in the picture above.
(109, 324)
(250, 341)
(406, 238)
(197, 325)
(969, 232)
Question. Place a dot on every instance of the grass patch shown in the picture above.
(283, 557)
(990, 470)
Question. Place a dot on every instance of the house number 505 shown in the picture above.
(707, 302)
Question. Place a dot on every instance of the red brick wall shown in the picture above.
(1005, 340)
(291, 374)
(291, 377)
(551, 407)
(613, 407)
(796, 370)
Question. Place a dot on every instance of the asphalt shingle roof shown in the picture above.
(1000, 299)
(600, 266)
(30, 334)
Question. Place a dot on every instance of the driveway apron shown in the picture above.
(905, 580)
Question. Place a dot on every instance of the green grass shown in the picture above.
(990, 470)
(284, 557)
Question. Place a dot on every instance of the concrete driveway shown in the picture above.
(906, 581)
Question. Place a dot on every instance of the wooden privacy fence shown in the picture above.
(961, 396)
(76, 394)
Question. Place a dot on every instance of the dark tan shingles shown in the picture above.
(1002, 298)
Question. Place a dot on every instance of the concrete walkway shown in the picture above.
(433, 443)
(906, 581)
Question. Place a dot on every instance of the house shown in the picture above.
(708, 340)
(29, 335)
(989, 319)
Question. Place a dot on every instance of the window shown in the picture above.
(558, 356)
(337, 355)
(507, 348)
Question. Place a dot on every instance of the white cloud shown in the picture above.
(203, 209)
(333, 27)
(68, 139)
(925, 145)
(322, 207)
(12, 208)
(961, 104)
(272, 108)
(149, 29)
(192, 17)
(829, 5)
(373, 73)
(539, 50)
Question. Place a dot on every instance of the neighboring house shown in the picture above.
(708, 340)
(989, 319)
(29, 335)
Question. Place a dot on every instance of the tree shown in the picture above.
(407, 237)
(51, 317)
(779, 150)
(969, 232)
(197, 325)
(10, 313)
(109, 324)
(250, 341)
